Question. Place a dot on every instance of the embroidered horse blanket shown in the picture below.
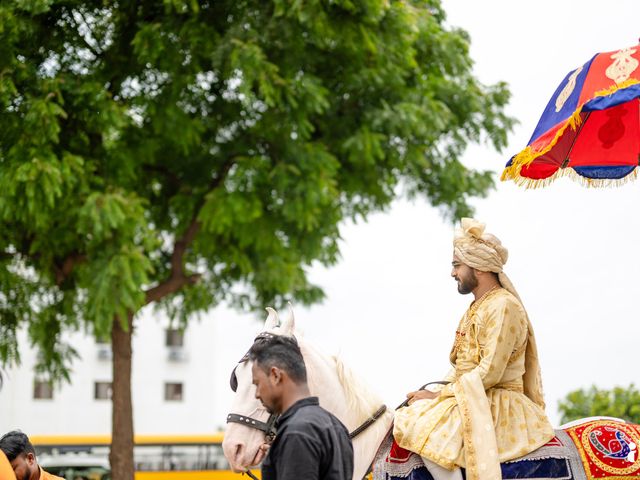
(593, 449)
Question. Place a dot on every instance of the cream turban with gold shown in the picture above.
(479, 250)
(485, 252)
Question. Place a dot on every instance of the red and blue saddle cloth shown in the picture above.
(594, 449)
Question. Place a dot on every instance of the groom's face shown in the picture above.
(464, 275)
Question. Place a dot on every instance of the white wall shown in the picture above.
(73, 409)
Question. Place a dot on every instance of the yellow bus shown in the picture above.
(156, 457)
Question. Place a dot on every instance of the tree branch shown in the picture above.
(63, 271)
(177, 277)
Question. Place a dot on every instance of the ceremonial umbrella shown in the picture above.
(590, 129)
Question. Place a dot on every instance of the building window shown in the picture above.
(173, 392)
(174, 337)
(102, 391)
(42, 390)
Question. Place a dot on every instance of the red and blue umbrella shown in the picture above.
(590, 129)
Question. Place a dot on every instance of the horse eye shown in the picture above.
(233, 381)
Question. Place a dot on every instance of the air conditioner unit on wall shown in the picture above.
(104, 352)
(177, 354)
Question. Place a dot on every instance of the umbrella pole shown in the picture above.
(575, 137)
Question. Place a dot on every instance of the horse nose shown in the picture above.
(234, 453)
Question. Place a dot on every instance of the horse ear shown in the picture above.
(289, 324)
(272, 320)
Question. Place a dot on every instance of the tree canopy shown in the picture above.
(190, 152)
(620, 402)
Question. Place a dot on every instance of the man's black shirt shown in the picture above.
(311, 444)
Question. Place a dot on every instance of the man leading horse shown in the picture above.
(493, 409)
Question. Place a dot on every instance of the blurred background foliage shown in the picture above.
(619, 402)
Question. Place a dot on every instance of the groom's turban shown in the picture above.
(479, 250)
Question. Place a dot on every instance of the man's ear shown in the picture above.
(31, 459)
(276, 375)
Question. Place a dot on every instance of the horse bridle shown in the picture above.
(269, 427)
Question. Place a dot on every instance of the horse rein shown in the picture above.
(368, 422)
(250, 475)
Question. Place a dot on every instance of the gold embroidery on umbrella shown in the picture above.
(623, 66)
(568, 89)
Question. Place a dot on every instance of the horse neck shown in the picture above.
(324, 382)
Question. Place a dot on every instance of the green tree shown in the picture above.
(187, 153)
(619, 402)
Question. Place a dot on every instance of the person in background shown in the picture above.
(22, 457)
(6, 472)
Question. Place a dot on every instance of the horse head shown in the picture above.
(249, 425)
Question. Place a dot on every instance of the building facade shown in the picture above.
(179, 384)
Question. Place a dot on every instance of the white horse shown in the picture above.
(338, 390)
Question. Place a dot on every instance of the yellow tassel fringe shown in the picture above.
(576, 177)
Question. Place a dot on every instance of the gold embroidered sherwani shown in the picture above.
(483, 415)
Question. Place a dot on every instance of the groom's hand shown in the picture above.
(421, 395)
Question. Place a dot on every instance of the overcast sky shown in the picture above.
(392, 308)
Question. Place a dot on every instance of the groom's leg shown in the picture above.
(441, 473)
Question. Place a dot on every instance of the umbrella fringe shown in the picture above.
(528, 155)
(531, 183)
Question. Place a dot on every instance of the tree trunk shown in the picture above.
(121, 455)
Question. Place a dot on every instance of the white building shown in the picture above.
(179, 384)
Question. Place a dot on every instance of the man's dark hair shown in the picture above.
(282, 352)
(14, 444)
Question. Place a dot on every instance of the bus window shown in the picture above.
(76, 466)
(160, 457)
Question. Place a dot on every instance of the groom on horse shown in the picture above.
(492, 409)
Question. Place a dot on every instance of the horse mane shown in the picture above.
(360, 399)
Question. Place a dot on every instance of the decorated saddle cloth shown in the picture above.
(591, 450)
(607, 448)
